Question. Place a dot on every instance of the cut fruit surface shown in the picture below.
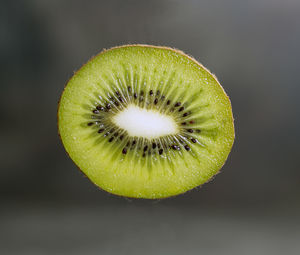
(146, 122)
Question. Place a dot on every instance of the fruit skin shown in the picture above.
(161, 195)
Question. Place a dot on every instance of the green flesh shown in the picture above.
(95, 143)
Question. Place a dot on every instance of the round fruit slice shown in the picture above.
(146, 122)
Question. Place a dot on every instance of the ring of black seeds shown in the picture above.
(99, 118)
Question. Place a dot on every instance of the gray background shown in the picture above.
(47, 206)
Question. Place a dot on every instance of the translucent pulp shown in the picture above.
(145, 123)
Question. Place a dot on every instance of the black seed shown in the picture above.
(153, 145)
(100, 108)
(192, 122)
(90, 123)
(163, 97)
(96, 111)
(108, 106)
(116, 134)
(155, 101)
(190, 130)
(168, 102)
(185, 114)
(127, 144)
(151, 92)
(135, 95)
(194, 140)
(111, 139)
(121, 137)
(146, 148)
(181, 109)
(117, 93)
(129, 89)
(175, 147)
(100, 130)
(157, 92)
(124, 151)
(144, 154)
(160, 151)
(158, 146)
(187, 147)
(112, 130)
(134, 142)
(183, 123)
(117, 103)
(177, 104)
(121, 99)
(142, 93)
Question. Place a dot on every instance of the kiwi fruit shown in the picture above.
(144, 121)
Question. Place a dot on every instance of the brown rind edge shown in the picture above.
(156, 47)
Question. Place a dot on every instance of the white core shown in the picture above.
(145, 123)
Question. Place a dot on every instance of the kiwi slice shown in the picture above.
(146, 122)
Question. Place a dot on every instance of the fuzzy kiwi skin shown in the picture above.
(157, 47)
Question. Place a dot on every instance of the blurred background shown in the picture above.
(47, 206)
